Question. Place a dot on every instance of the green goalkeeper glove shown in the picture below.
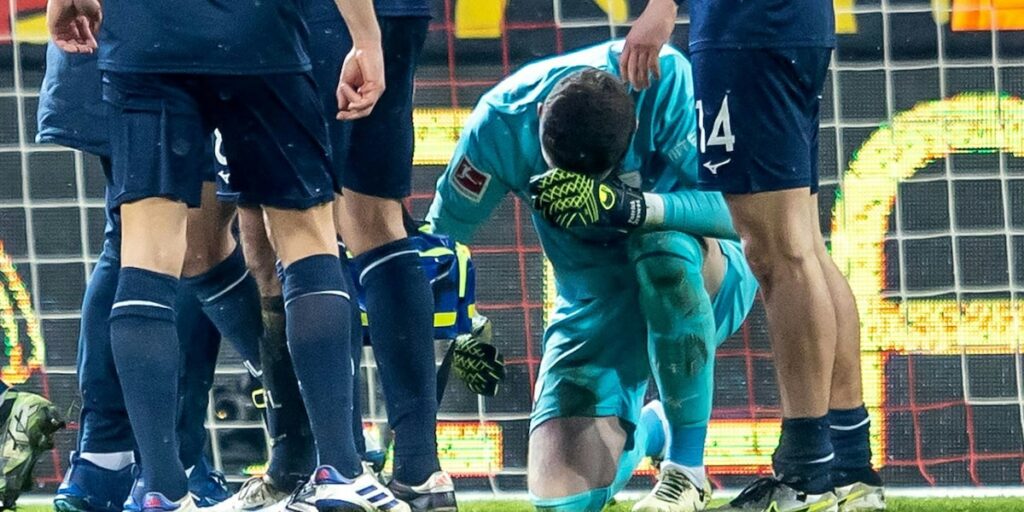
(477, 361)
(573, 201)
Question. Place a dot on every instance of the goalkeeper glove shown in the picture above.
(573, 201)
(477, 362)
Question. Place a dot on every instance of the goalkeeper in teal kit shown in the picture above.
(649, 275)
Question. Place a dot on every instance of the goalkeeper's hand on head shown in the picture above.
(477, 361)
(581, 204)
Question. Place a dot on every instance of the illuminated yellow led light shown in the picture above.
(437, 131)
(471, 448)
(15, 302)
(893, 153)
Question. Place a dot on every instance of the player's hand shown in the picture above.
(639, 59)
(73, 24)
(477, 361)
(575, 202)
(362, 81)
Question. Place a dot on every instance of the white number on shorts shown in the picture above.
(218, 148)
(721, 132)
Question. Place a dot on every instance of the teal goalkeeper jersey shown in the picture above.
(499, 151)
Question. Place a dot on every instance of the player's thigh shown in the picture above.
(595, 359)
(259, 254)
(298, 234)
(775, 226)
(210, 240)
(368, 170)
(158, 151)
(569, 456)
(758, 117)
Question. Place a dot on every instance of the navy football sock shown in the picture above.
(292, 455)
(231, 299)
(850, 430)
(400, 307)
(146, 352)
(804, 457)
(318, 317)
(200, 344)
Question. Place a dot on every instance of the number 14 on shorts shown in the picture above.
(721, 133)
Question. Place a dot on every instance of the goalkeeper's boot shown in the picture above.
(29, 422)
(675, 492)
(90, 488)
(156, 502)
(772, 495)
(437, 494)
(329, 491)
(258, 494)
(208, 486)
(859, 491)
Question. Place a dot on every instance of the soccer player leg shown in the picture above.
(215, 271)
(858, 485)
(757, 120)
(275, 136)
(389, 269)
(158, 157)
(292, 455)
(200, 345)
(583, 442)
(100, 474)
(681, 347)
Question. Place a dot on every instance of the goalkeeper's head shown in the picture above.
(587, 123)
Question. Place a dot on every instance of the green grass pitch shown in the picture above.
(895, 505)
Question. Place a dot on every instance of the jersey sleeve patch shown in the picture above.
(470, 181)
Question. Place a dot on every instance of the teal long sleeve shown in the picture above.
(699, 214)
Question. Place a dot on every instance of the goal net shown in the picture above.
(922, 201)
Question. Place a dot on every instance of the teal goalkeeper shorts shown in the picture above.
(595, 346)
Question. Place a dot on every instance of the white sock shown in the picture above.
(697, 475)
(110, 461)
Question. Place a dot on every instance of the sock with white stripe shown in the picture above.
(850, 431)
(400, 308)
(110, 461)
(804, 457)
(318, 326)
(144, 342)
(231, 299)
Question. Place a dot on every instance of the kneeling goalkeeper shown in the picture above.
(650, 279)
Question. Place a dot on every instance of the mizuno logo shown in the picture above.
(713, 168)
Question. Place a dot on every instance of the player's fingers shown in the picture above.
(627, 50)
(636, 72)
(644, 68)
(347, 96)
(85, 32)
(354, 113)
(654, 64)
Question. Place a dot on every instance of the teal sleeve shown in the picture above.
(698, 213)
(472, 186)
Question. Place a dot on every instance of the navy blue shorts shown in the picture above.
(273, 130)
(373, 155)
(758, 115)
